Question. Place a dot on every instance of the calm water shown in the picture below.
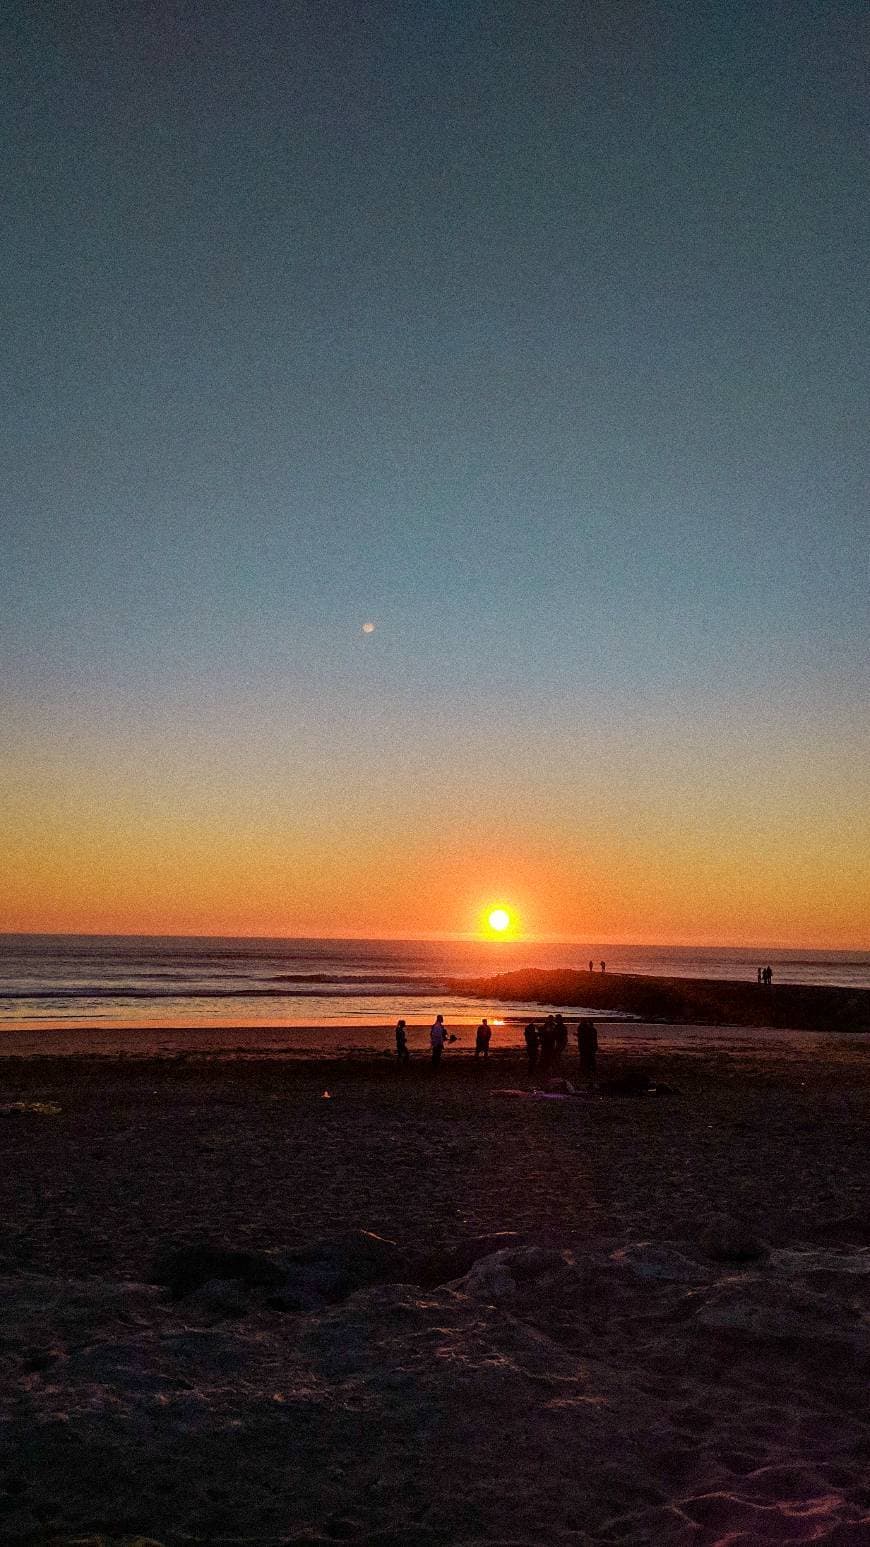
(83, 981)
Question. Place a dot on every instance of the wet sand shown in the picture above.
(670, 1344)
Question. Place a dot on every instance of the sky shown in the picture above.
(535, 336)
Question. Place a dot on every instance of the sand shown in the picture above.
(595, 1320)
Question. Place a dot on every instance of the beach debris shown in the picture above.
(44, 1108)
(541, 1095)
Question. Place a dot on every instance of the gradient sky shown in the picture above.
(535, 334)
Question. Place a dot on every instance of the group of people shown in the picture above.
(545, 1043)
(765, 976)
(438, 1039)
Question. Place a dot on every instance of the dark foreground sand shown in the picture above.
(673, 1346)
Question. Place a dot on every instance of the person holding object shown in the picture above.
(482, 1039)
(437, 1039)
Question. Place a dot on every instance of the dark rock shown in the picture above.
(220, 1297)
(448, 1263)
(359, 1256)
(661, 1261)
(309, 1288)
(731, 1240)
(327, 1272)
(502, 1275)
(183, 1269)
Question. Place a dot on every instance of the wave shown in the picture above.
(399, 981)
(107, 992)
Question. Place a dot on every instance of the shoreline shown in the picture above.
(372, 1046)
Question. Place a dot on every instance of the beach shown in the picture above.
(315, 1299)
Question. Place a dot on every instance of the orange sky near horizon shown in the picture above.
(91, 852)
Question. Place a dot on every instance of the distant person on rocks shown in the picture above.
(587, 1048)
(531, 1037)
(437, 1039)
(482, 1039)
(548, 1044)
(402, 1054)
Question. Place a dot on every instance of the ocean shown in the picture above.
(94, 982)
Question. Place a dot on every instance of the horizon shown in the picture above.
(465, 939)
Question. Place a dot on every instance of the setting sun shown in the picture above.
(499, 920)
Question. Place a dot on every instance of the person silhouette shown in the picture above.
(587, 1048)
(603, 966)
(531, 1038)
(402, 1054)
(437, 1039)
(547, 1039)
(482, 1038)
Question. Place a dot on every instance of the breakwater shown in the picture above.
(800, 1006)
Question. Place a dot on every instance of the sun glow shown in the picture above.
(498, 923)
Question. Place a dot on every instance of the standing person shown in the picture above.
(548, 1044)
(531, 1036)
(482, 1039)
(436, 1037)
(768, 976)
(561, 1036)
(587, 1048)
(591, 966)
(760, 974)
(402, 1054)
(603, 966)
